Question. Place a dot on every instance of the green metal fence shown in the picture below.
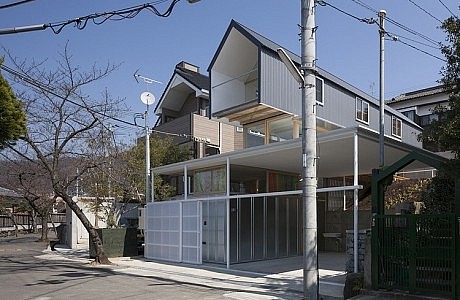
(418, 253)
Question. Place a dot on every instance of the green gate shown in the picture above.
(417, 253)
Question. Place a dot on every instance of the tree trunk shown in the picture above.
(34, 221)
(100, 258)
(14, 223)
(44, 237)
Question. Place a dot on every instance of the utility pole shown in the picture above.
(147, 156)
(309, 180)
(382, 32)
(147, 98)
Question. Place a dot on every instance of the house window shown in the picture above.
(396, 126)
(427, 119)
(280, 130)
(362, 110)
(255, 134)
(412, 115)
(319, 90)
(210, 181)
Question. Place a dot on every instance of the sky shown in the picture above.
(152, 46)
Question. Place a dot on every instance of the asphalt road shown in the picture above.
(26, 272)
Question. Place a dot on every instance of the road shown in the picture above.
(26, 272)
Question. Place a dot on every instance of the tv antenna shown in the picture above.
(145, 79)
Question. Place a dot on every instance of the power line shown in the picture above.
(97, 18)
(420, 50)
(403, 27)
(43, 87)
(448, 9)
(372, 21)
(365, 6)
(411, 31)
(398, 36)
(15, 4)
(116, 15)
(424, 10)
(368, 21)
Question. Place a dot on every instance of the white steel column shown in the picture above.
(227, 201)
(180, 230)
(185, 183)
(355, 202)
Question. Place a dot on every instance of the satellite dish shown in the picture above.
(147, 98)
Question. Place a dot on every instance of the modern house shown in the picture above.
(419, 106)
(183, 113)
(246, 205)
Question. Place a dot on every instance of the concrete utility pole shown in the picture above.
(382, 32)
(309, 180)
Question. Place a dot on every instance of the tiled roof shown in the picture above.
(418, 94)
(197, 79)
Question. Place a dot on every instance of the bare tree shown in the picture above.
(61, 120)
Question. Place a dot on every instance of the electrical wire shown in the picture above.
(15, 4)
(368, 21)
(397, 24)
(365, 6)
(372, 21)
(448, 9)
(412, 40)
(116, 15)
(420, 50)
(411, 31)
(424, 10)
(43, 87)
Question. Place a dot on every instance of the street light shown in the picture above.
(147, 98)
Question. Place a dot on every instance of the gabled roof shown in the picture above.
(193, 79)
(439, 89)
(265, 43)
(199, 80)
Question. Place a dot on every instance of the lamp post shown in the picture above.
(147, 98)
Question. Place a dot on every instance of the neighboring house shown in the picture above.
(419, 105)
(246, 205)
(183, 113)
(76, 233)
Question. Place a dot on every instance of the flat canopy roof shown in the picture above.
(335, 150)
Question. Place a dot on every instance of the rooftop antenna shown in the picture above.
(145, 79)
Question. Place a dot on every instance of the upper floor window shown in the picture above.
(427, 119)
(319, 90)
(362, 110)
(396, 126)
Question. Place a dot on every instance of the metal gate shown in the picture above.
(417, 253)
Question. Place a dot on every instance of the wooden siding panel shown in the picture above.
(203, 127)
(231, 139)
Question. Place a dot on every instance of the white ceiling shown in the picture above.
(335, 155)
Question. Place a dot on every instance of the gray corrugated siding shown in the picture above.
(277, 86)
(280, 90)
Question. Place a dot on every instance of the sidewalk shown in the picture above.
(272, 279)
